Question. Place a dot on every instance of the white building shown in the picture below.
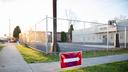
(97, 34)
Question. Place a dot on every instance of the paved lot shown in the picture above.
(70, 46)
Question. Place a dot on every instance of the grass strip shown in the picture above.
(1, 47)
(109, 67)
(33, 56)
(115, 51)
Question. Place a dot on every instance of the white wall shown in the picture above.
(94, 34)
(122, 37)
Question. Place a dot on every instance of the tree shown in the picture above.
(70, 32)
(63, 36)
(116, 42)
(16, 32)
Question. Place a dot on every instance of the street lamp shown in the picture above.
(9, 29)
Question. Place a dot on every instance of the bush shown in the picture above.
(63, 37)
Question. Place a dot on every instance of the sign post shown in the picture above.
(69, 59)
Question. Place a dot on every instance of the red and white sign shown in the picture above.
(69, 59)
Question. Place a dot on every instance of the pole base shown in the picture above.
(54, 48)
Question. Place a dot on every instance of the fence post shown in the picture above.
(46, 34)
(125, 37)
(84, 33)
(107, 37)
(35, 32)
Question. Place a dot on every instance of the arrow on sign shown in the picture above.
(71, 60)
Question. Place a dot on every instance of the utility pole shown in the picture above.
(35, 32)
(9, 29)
(54, 33)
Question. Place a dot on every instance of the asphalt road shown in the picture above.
(65, 47)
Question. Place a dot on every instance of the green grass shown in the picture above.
(110, 67)
(114, 51)
(1, 47)
(32, 56)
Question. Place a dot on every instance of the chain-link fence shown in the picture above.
(75, 35)
(123, 34)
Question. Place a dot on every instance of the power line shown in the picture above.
(76, 20)
(40, 21)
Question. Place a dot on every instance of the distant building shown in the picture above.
(33, 36)
(38, 36)
(97, 34)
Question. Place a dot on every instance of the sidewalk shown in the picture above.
(12, 61)
(54, 66)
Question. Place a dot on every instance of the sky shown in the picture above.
(26, 13)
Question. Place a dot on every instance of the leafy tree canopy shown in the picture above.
(16, 32)
(71, 29)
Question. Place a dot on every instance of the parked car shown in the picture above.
(3, 40)
(12, 41)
